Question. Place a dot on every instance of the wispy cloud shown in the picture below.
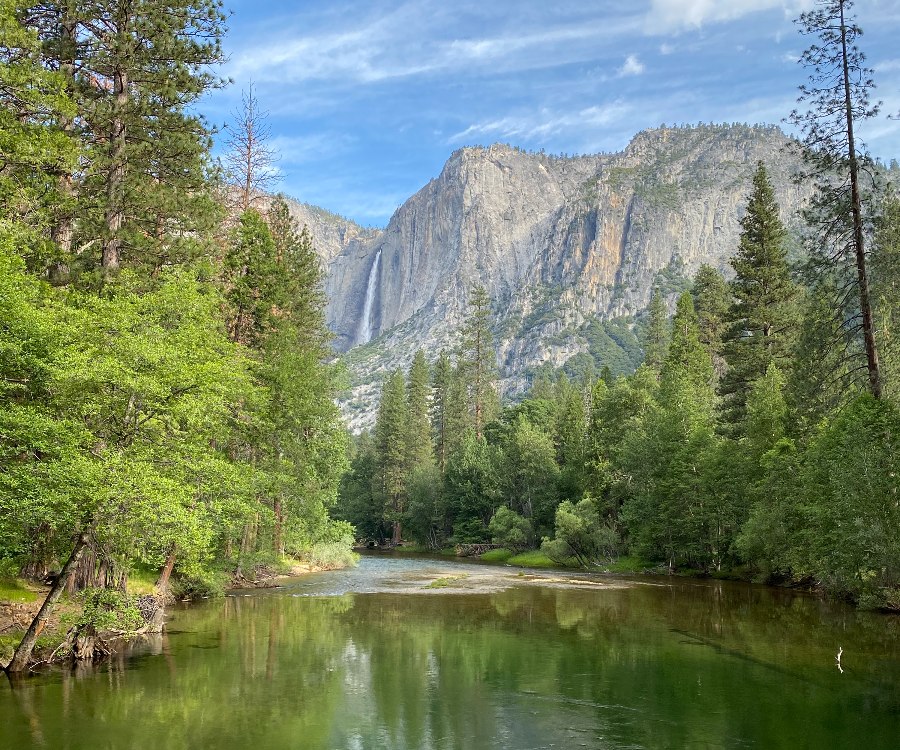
(668, 16)
(410, 42)
(887, 66)
(631, 67)
(363, 93)
(545, 123)
(302, 149)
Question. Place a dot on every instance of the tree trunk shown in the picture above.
(115, 181)
(865, 304)
(63, 229)
(278, 535)
(22, 656)
(162, 583)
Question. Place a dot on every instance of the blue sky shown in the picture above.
(367, 100)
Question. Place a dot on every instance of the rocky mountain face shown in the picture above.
(561, 244)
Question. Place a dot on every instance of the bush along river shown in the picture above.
(418, 653)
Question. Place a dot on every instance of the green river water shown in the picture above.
(354, 659)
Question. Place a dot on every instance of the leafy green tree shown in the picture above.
(510, 530)
(580, 534)
(665, 511)
(617, 413)
(472, 488)
(530, 473)
(829, 513)
(570, 438)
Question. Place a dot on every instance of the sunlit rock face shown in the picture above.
(556, 241)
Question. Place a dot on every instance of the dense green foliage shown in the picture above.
(729, 449)
(168, 394)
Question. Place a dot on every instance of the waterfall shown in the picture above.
(365, 325)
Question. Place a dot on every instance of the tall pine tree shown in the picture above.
(478, 361)
(762, 317)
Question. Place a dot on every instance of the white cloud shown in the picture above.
(667, 16)
(544, 124)
(632, 67)
(410, 41)
(887, 66)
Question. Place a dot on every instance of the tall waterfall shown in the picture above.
(365, 325)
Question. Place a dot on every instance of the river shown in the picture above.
(418, 653)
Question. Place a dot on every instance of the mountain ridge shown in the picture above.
(559, 242)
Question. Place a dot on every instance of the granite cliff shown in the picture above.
(562, 244)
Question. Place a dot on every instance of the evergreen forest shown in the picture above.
(168, 424)
(753, 442)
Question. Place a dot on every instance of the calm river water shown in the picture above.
(350, 659)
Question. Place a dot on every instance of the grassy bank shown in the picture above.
(625, 565)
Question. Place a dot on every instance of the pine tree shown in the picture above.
(441, 386)
(711, 301)
(656, 338)
(820, 379)
(299, 293)
(418, 434)
(667, 513)
(253, 280)
(762, 317)
(766, 413)
(478, 361)
(838, 95)
(390, 441)
(134, 70)
(687, 376)
(886, 292)
(33, 100)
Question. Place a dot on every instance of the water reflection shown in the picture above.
(678, 664)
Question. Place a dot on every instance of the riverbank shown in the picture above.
(21, 599)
